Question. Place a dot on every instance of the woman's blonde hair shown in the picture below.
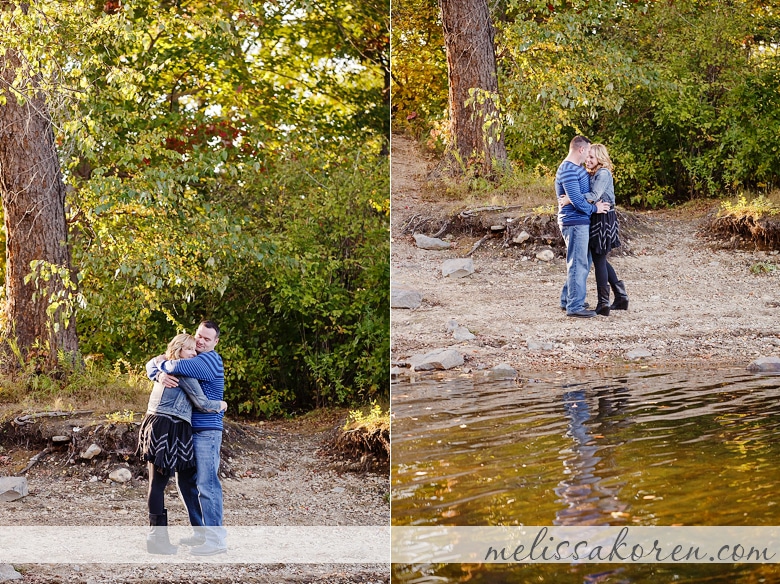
(178, 343)
(602, 156)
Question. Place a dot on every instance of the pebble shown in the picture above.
(91, 452)
(522, 237)
(438, 359)
(457, 268)
(637, 354)
(13, 488)
(502, 371)
(431, 243)
(765, 365)
(7, 573)
(461, 333)
(545, 255)
(120, 475)
(404, 297)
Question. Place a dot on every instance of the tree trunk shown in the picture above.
(476, 137)
(33, 195)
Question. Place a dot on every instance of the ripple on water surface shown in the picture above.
(691, 448)
(637, 448)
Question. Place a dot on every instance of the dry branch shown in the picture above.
(22, 420)
(35, 459)
(471, 212)
(476, 245)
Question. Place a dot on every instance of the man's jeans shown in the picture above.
(200, 488)
(578, 261)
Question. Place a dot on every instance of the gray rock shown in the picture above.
(461, 333)
(539, 345)
(91, 452)
(7, 572)
(12, 488)
(522, 237)
(545, 255)
(765, 365)
(636, 354)
(502, 371)
(120, 475)
(457, 268)
(60, 439)
(452, 324)
(439, 359)
(432, 243)
(497, 227)
(398, 371)
(402, 297)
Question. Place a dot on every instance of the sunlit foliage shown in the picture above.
(684, 93)
(191, 134)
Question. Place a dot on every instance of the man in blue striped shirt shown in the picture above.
(574, 220)
(200, 487)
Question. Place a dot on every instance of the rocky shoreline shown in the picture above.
(693, 302)
(280, 473)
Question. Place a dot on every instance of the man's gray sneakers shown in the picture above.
(208, 549)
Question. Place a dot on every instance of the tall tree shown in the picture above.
(37, 277)
(476, 137)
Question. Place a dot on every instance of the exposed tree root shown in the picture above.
(511, 221)
(118, 442)
(362, 448)
(735, 231)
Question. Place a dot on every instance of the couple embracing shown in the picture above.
(181, 435)
(588, 223)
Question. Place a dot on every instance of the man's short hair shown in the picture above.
(210, 324)
(578, 142)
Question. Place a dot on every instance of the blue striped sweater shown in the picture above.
(574, 181)
(206, 368)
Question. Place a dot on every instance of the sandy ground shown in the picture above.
(692, 303)
(280, 474)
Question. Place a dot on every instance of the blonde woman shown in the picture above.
(165, 439)
(604, 235)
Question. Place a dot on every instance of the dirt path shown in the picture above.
(690, 304)
(281, 473)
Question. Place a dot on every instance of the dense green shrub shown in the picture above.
(304, 299)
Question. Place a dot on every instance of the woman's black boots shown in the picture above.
(157, 542)
(602, 307)
(621, 298)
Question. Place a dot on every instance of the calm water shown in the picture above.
(638, 448)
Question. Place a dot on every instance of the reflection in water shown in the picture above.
(688, 448)
(576, 490)
(586, 496)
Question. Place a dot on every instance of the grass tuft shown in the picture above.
(100, 388)
(756, 208)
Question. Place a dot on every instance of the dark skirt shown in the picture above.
(603, 232)
(166, 442)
